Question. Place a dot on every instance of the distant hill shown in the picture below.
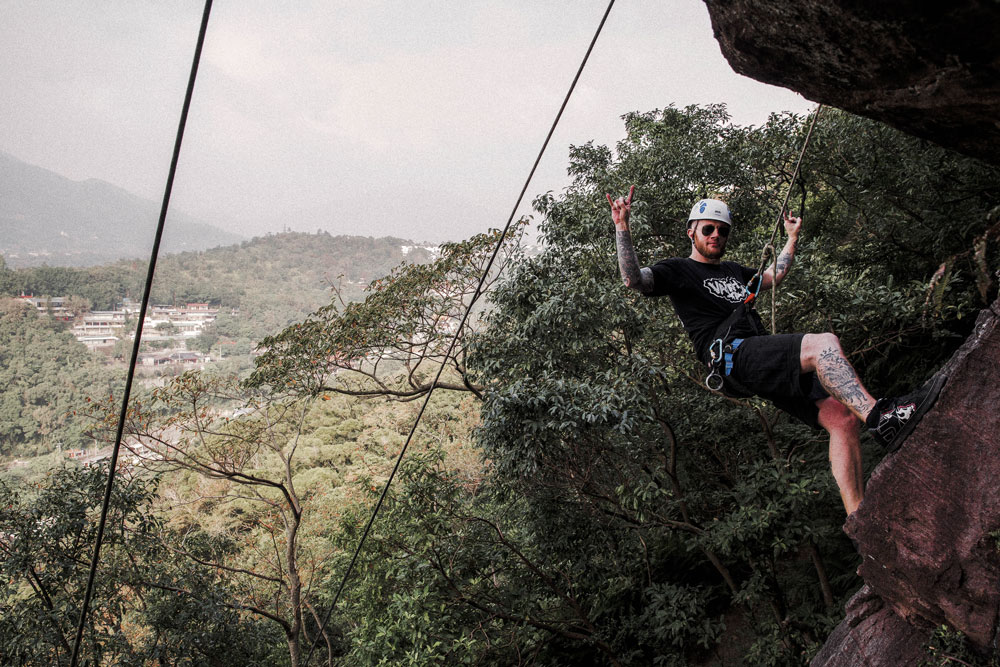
(46, 218)
(273, 280)
(260, 286)
(278, 279)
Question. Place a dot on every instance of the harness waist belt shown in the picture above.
(729, 352)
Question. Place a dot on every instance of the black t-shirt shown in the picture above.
(703, 294)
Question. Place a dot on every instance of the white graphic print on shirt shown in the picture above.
(727, 288)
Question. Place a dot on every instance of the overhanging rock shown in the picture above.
(931, 69)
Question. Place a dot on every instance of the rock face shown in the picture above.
(929, 527)
(931, 69)
(872, 634)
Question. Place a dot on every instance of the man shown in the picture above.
(806, 375)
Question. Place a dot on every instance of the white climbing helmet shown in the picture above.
(710, 209)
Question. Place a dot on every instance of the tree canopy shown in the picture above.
(579, 496)
(47, 378)
(628, 514)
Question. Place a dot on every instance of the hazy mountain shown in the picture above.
(46, 218)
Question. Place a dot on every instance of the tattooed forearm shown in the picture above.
(784, 261)
(840, 379)
(640, 279)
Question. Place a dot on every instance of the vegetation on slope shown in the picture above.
(620, 513)
(46, 377)
(260, 286)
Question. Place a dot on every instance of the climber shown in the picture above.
(806, 375)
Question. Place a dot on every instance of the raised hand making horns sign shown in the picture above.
(621, 209)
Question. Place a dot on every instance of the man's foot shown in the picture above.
(893, 419)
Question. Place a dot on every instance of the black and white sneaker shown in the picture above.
(893, 419)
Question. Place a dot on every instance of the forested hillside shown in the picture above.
(273, 280)
(230, 276)
(260, 286)
(46, 376)
(575, 495)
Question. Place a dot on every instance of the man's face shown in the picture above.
(713, 244)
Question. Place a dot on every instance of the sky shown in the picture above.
(411, 118)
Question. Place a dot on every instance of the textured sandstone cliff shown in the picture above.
(929, 527)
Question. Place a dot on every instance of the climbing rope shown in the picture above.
(138, 337)
(458, 331)
(768, 251)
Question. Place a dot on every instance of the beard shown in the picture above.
(711, 252)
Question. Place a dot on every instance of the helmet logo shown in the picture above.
(704, 205)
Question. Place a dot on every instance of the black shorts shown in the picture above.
(770, 367)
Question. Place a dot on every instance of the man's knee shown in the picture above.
(813, 345)
(834, 416)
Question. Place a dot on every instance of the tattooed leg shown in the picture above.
(822, 353)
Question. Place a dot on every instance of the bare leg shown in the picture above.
(822, 353)
(845, 451)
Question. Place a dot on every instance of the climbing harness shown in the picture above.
(742, 323)
(723, 348)
(720, 354)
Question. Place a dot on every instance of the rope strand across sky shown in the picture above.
(412, 119)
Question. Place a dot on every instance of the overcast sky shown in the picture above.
(411, 118)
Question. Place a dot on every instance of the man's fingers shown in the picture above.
(622, 202)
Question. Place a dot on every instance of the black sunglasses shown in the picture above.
(708, 230)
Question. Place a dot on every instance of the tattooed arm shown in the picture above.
(779, 269)
(640, 279)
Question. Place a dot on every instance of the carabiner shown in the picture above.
(715, 351)
(752, 294)
(716, 355)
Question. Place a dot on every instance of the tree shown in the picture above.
(246, 461)
(165, 328)
(204, 341)
(46, 378)
(47, 533)
(46, 539)
(597, 408)
(392, 343)
(77, 307)
(667, 512)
